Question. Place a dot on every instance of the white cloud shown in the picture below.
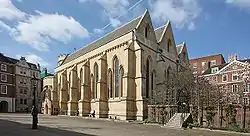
(112, 9)
(180, 12)
(33, 58)
(98, 31)
(114, 22)
(9, 12)
(39, 30)
(239, 3)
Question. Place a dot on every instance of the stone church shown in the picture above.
(113, 77)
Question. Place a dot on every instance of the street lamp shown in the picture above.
(34, 110)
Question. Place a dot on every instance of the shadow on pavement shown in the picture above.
(9, 128)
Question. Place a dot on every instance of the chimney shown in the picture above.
(232, 58)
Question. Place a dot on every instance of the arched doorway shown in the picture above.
(3, 106)
(46, 109)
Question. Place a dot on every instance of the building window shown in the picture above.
(147, 78)
(3, 78)
(25, 91)
(245, 100)
(21, 90)
(3, 67)
(213, 62)
(235, 88)
(121, 81)
(96, 78)
(116, 76)
(203, 64)
(194, 65)
(246, 88)
(214, 78)
(146, 32)
(3, 89)
(21, 101)
(224, 78)
(235, 77)
(110, 84)
(25, 101)
(214, 70)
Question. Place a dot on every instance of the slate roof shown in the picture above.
(14, 61)
(179, 48)
(208, 71)
(104, 40)
(158, 33)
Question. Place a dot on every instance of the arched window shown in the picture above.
(146, 31)
(121, 81)
(169, 45)
(80, 84)
(92, 86)
(96, 78)
(110, 86)
(147, 78)
(116, 76)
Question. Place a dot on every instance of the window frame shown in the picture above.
(223, 77)
(6, 89)
(6, 78)
(233, 77)
(235, 88)
(213, 61)
(4, 67)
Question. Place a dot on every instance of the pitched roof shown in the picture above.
(179, 48)
(14, 61)
(105, 39)
(158, 33)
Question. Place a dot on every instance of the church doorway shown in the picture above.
(46, 109)
(3, 106)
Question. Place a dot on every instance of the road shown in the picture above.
(20, 124)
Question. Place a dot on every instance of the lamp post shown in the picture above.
(34, 110)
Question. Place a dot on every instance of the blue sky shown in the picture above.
(41, 30)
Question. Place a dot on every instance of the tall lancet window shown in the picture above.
(121, 81)
(92, 86)
(147, 78)
(110, 82)
(116, 76)
(96, 78)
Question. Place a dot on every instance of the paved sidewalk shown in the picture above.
(19, 124)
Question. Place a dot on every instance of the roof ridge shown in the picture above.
(106, 34)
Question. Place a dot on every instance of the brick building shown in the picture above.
(16, 94)
(7, 84)
(200, 65)
(230, 80)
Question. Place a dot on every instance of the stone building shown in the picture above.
(49, 96)
(24, 89)
(113, 77)
(7, 84)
